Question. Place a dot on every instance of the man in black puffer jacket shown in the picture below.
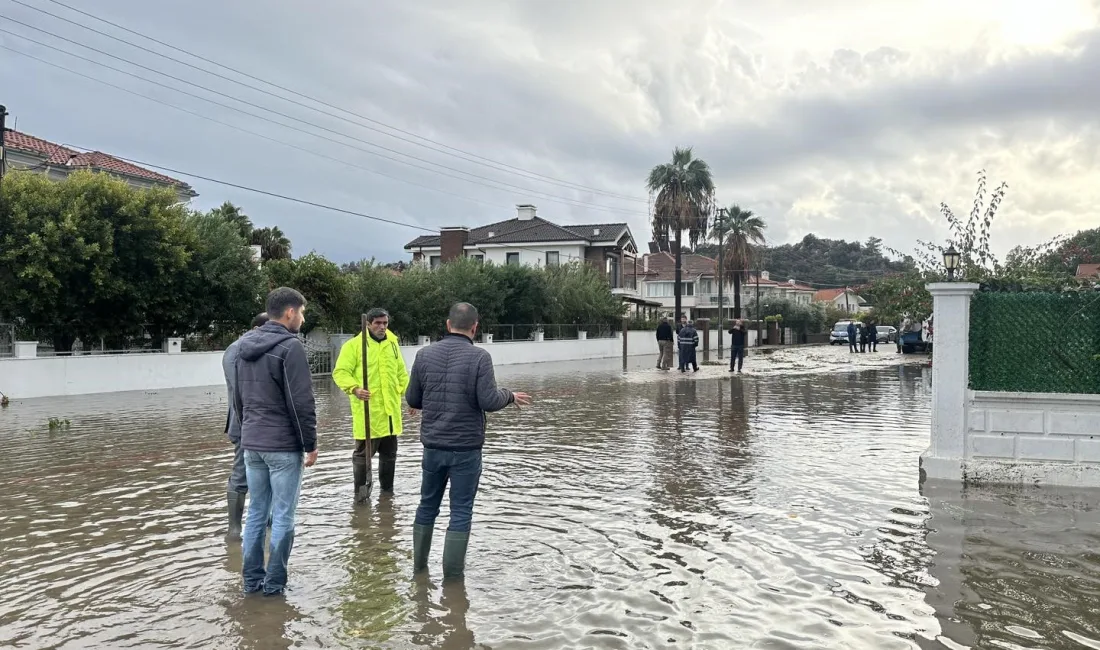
(453, 383)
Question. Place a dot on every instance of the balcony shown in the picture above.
(627, 285)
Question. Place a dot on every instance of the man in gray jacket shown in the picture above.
(453, 383)
(237, 487)
(274, 401)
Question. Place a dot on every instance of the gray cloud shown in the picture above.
(845, 142)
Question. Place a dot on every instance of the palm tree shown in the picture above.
(273, 244)
(685, 194)
(741, 233)
(234, 216)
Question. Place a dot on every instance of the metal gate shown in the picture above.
(320, 357)
(7, 339)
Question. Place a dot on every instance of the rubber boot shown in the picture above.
(422, 547)
(454, 554)
(361, 479)
(236, 514)
(386, 468)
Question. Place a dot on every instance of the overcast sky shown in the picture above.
(850, 120)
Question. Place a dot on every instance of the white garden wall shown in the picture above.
(87, 374)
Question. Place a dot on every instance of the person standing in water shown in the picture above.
(388, 378)
(454, 385)
(665, 338)
(237, 487)
(737, 345)
(688, 339)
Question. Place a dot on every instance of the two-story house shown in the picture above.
(56, 162)
(844, 299)
(530, 240)
(699, 287)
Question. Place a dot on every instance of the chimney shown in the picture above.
(645, 263)
(764, 275)
(452, 243)
(525, 212)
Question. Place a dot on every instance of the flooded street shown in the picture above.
(779, 509)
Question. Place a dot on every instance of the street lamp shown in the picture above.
(951, 260)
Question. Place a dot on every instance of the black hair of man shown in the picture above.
(463, 316)
(282, 299)
(377, 313)
(260, 319)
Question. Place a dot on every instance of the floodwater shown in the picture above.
(780, 509)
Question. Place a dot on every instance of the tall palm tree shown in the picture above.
(234, 216)
(742, 233)
(684, 196)
(273, 244)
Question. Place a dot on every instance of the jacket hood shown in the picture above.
(257, 343)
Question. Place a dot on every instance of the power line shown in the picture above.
(463, 155)
(244, 130)
(551, 197)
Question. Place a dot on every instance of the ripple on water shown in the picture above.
(776, 509)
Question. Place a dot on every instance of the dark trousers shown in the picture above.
(462, 469)
(737, 354)
(386, 448)
(238, 482)
(852, 344)
(687, 357)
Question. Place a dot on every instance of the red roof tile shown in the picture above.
(56, 154)
(1086, 271)
(826, 295)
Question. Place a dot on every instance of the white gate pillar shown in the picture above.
(950, 379)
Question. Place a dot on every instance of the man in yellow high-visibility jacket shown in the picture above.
(387, 380)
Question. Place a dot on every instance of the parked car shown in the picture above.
(886, 333)
(839, 335)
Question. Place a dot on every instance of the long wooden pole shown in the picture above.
(626, 331)
(366, 408)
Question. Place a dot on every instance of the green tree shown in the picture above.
(684, 193)
(743, 234)
(273, 244)
(326, 289)
(227, 288)
(233, 216)
(900, 296)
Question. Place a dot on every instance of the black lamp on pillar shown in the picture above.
(951, 261)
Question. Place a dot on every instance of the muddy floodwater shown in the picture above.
(779, 509)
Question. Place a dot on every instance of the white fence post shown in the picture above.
(950, 379)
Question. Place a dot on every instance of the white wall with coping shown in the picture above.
(89, 374)
(1001, 437)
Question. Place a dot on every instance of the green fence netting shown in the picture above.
(1035, 342)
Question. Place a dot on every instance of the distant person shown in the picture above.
(274, 400)
(862, 338)
(738, 336)
(872, 337)
(665, 337)
(237, 487)
(901, 332)
(453, 384)
(853, 332)
(388, 379)
(688, 340)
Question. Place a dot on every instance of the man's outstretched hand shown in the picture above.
(521, 399)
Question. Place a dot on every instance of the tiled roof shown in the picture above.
(827, 295)
(662, 266)
(1086, 271)
(56, 154)
(535, 230)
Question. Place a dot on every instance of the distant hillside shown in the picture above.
(832, 262)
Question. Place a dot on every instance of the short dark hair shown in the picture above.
(282, 299)
(377, 313)
(463, 316)
(260, 319)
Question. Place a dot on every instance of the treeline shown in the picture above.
(91, 258)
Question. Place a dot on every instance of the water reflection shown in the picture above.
(647, 510)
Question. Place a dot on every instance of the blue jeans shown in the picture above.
(274, 483)
(463, 469)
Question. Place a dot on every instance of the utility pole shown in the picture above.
(846, 307)
(721, 276)
(3, 150)
(759, 332)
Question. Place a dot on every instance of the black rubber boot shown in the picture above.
(386, 468)
(361, 479)
(235, 502)
(454, 554)
(422, 547)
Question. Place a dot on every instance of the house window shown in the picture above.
(706, 285)
(664, 289)
(687, 288)
(434, 261)
(477, 258)
(512, 259)
(552, 258)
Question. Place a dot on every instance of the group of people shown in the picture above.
(272, 424)
(866, 337)
(686, 340)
